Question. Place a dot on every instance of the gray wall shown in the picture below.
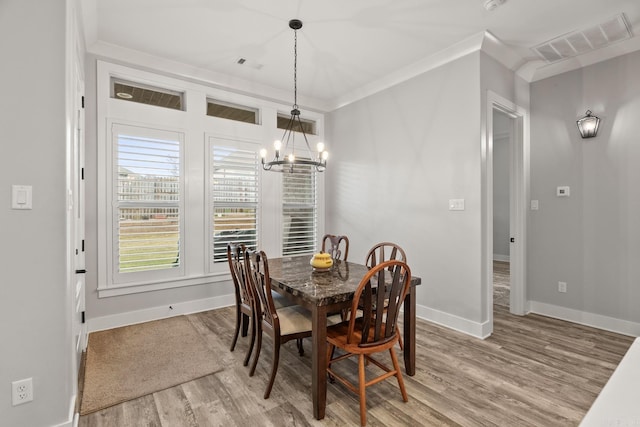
(35, 315)
(398, 157)
(590, 240)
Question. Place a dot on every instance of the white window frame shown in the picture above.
(197, 128)
(112, 261)
(248, 145)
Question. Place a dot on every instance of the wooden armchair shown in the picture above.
(375, 332)
(385, 251)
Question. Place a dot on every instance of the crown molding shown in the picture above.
(158, 65)
(458, 50)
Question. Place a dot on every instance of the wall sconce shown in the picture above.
(588, 125)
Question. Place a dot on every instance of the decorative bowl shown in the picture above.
(321, 261)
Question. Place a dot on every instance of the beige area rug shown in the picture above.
(133, 361)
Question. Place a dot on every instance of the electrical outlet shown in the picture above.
(22, 391)
(562, 287)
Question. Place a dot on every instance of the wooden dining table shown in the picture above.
(329, 291)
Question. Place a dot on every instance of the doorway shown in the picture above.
(505, 121)
(503, 128)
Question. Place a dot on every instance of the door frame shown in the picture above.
(519, 194)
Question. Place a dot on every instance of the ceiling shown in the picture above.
(345, 48)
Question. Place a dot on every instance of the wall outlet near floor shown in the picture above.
(562, 287)
(22, 391)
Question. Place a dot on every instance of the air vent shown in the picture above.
(582, 41)
(246, 62)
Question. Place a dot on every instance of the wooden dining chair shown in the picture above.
(375, 332)
(385, 251)
(245, 298)
(281, 324)
(337, 246)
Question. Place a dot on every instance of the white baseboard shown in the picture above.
(503, 258)
(451, 321)
(588, 319)
(73, 416)
(156, 313)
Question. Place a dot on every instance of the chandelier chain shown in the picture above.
(295, 69)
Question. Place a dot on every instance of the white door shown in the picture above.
(78, 215)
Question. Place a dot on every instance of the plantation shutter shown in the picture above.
(147, 202)
(299, 211)
(234, 195)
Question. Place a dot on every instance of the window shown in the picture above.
(146, 199)
(309, 126)
(234, 196)
(144, 94)
(299, 210)
(174, 186)
(230, 111)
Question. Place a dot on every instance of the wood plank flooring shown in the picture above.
(533, 371)
(501, 283)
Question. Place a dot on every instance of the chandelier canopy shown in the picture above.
(286, 158)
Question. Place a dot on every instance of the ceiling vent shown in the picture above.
(248, 63)
(582, 41)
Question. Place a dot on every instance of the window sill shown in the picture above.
(134, 288)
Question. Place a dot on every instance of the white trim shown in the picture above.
(519, 194)
(136, 287)
(503, 258)
(72, 421)
(160, 312)
(458, 50)
(174, 69)
(599, 321)
(502, 53)
(457, 323)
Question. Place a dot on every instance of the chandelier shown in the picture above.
(286, 158)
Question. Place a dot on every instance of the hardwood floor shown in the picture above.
(501, 283)
(533, 371)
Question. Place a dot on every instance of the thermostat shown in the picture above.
(563, 191)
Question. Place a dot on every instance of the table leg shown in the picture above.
(410, 332)
(319, 361)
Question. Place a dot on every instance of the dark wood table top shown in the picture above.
(296, 276)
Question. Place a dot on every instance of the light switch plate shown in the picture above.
(21, 197)
(456, 204)
(534, 205)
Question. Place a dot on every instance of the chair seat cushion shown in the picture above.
(295, 319)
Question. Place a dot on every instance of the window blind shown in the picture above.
(299, 211)
(147, 203)
(234, 195)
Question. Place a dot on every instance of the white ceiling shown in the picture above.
(344, 45)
